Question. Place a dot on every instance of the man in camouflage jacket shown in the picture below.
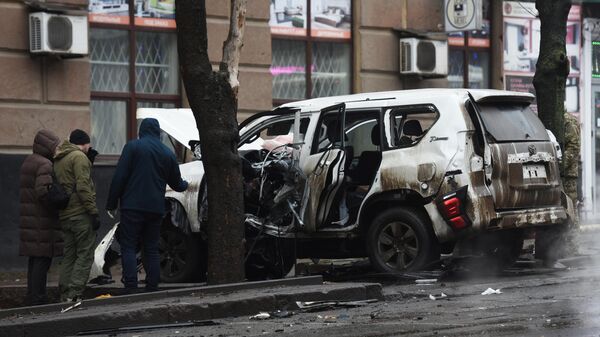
(570, 160)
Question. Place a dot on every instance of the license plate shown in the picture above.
(532, 171)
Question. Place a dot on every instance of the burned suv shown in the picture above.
(399, 177)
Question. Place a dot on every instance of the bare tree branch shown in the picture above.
(233, 45)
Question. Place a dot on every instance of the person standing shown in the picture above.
(570, 160)
(79, 220)
(138, 186)
(39, 229)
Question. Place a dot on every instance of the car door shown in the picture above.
(324, 167)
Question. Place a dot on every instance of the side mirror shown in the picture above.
(195, 145)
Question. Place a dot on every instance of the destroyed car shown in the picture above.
(399, 177)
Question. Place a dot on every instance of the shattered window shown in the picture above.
(409, 125)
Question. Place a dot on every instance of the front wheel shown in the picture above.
(268, 257)
(401, 240)
(180, 256)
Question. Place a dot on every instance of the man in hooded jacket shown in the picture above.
(39, 230)
(145, 167)
(79, 220)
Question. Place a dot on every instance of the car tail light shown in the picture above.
(458, 223)
(452, 207)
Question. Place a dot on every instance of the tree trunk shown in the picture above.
(552, 65)
(213, 99)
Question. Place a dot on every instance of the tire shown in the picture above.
(268, 257)
(401, 240)
(180, 256)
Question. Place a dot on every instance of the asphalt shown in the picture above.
(180, 305)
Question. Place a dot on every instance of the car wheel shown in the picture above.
(401, 240)
(180, 256)
(268, 257)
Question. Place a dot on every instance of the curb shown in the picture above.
(195, 307)
(164, 294)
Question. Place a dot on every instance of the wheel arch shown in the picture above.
(178, 216)
(378, 203)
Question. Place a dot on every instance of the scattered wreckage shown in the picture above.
(398, 177)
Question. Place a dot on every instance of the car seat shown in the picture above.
(368, 162)
(411, 132)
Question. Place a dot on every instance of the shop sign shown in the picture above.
(288, 17)
(148, 13)
(463, 15)
(331, 18)
(328, 18)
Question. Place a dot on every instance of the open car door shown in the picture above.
(325, 168)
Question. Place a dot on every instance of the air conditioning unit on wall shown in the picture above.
(427, 58)
(58, 34)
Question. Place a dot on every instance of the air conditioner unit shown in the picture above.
(58, 34)
(428, 58)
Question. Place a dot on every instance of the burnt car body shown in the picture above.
(398, 177)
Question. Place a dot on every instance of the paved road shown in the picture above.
(533, 302)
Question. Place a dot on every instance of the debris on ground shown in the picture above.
(71, 307)
(433, 297)
(426, 281)
(281, 314)
(261, 316)
(322, 305)
(330, 318)
(140, 328)
(490, 291)
(99, 297)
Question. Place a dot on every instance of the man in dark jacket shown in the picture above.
(79, 221)
(40, 235)
(145, 167)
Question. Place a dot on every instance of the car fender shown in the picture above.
(192, 172)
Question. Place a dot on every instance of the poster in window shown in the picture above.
(331, 18)
(109, 11)
(155, 13)
(522, 47)
(288, 17)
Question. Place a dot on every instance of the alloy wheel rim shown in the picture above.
(397, 245)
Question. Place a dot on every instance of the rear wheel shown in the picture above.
(180, 256)
(401, 240)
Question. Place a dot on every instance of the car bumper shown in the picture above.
(529, 218)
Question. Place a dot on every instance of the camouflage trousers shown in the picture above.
(570, 187)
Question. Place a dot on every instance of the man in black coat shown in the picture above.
(145, 167)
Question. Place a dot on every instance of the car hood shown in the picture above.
(177, 123)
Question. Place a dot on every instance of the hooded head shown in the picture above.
(45, 143)
(149, 128)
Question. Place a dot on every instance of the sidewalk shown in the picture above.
(170, 306)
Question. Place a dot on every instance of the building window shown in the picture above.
(311, 57)
(469, 56)
(134, 63)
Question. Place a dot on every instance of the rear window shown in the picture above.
(512, 123)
